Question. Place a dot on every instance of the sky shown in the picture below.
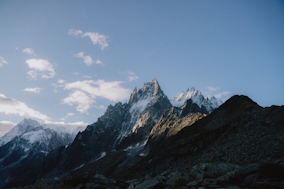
(65, 61)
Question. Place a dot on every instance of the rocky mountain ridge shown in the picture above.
(237, 145)
(122, 126)
(208, 104)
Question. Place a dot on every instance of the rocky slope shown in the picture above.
(240, 140)
(239, 145)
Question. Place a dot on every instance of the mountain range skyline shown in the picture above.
(123, 126)
(65, 62)
(177, 101)
(148, 134)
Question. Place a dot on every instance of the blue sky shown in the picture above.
(66, 61)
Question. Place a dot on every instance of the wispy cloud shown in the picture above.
(99, 62)
(87, 59)
(210, 88)
(67, 116)
(41, 68)
(216, 91)
(74, 32)
(85, 92)
(131, 76)
(87, 76)
(13, 106)
(2, 61)
(100, 107)
(29, 51)
(33, 90)
(222, 95)
(61, 81)
(6, 126)
(96, 38)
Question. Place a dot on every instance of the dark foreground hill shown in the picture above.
(239, 145)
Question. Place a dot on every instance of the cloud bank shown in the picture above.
(85, 92)
(13, 106)
(70, 127)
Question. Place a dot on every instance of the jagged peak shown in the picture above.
(152, 83)
(112, 107)
(134, 90)
(188, 94)
(148, 89)
(157, 88)
(133, 96)
(191, 89)
(154, 80)
(197, 97)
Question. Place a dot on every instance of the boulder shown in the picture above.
(148, 184)
(251, 168)
(172, 178)
(249, 180)
(192, 183)
(225, 179)
(212, 170)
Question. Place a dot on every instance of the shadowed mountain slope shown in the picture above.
(239, 136)
(239, 132)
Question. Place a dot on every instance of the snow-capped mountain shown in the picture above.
(121, 127)
(124, 127)
(30, 138)
(196, 96)
(23, 127)
(146, 135)
(34, 131)
(142, 101)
